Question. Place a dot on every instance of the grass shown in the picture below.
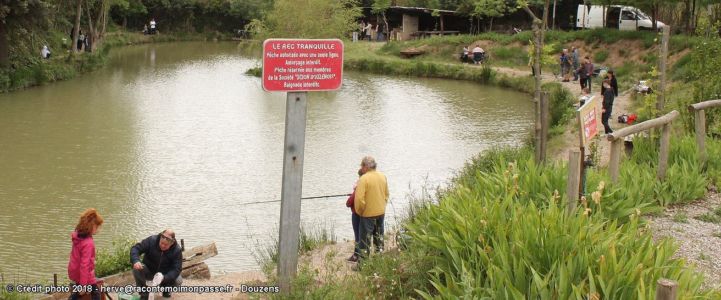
(710, 217)
(600, 56)
(310, 238)
(680, 217)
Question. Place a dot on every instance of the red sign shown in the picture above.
(302, 65)
(588, 120)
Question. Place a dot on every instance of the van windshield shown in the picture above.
(641, 15)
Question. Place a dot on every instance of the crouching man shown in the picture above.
(161, 255)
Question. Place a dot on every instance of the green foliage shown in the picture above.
(331, 19)
(505, 234)
(115, 259)
(255, 71)
(310, 239)
(511, 55)
(600, 56)
(561, 104)
(680, 217)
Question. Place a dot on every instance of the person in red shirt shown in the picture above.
(81, 266)
(355, 219)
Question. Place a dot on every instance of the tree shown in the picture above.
(320, 18)
(380, 7)
(492, 9)
(18, 14)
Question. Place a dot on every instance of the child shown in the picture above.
(585, 96)
(81, 267)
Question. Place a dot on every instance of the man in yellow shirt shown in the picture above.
(371, 197)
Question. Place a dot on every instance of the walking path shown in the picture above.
(569, 139)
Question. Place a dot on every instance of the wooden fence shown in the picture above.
(616, 139)
(699, 109)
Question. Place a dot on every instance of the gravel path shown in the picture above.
(699, 242)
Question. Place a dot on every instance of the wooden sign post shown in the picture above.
(587, 117)
(296, 67)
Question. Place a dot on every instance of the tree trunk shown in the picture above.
(386, 29)
(4, 49)
(91, 30)
(491, 29)
(125, 22)
(76, 29)
(687, 16)
(654, 16)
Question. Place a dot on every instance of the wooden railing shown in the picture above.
(616, 139)
(700, 123)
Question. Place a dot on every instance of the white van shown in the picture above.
(617, 16)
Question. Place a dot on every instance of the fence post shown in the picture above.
(615, 161)
(666, 289)
(700, 124)
(663, 153)
(574, 179)
(661, 101)
(55, 279)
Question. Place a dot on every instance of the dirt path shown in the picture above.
(569, 139)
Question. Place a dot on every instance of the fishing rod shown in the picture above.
(302, 198)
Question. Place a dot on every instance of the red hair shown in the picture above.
(88, 220)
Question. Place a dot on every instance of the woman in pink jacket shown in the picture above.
(81, 267)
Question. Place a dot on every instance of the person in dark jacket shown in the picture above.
(614, 83)
(161, 255)
(608, 97)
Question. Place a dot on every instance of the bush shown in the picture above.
(115, 259)
(600, 56)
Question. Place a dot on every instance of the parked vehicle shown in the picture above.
(616, 16)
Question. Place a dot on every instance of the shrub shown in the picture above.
(115, 259)
(600, 56)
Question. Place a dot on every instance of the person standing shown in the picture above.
(355, 221)
(362, 27)
(153, 25)
(581, 71)
(575, 62)
(608, 97)
(81, 266)
(371, 197)
(588, 69)
(367, 31)
(612, 80)
(565, 65)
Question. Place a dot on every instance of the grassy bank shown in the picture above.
(500, 231)
(34, 71)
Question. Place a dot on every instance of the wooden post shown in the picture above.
(666, 289)
(295, 121)
(574, 179)
(182, 245)
(615, 160)
(663, 153)
(55, 279)
(700, 124)
(541, 147)
(661, 100)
